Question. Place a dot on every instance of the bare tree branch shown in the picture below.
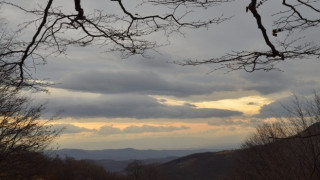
(98, 28)
(290, 20)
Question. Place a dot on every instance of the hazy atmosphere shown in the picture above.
(106, 101)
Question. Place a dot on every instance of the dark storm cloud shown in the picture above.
(129, 106)
(142, 82)
(106, 130)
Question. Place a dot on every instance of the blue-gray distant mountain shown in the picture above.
(124, 154)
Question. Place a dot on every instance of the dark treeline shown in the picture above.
(39, 166)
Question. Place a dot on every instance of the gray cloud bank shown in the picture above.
(142, 82)
(124, 93)
(132, 106)
(185, 84)
(275, 82)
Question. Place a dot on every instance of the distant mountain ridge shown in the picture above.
(124, 154)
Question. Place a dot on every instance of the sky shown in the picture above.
(107, 102)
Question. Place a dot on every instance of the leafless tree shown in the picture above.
(286, 149)
(22, 135)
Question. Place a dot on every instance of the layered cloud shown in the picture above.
(138, 82)
(275, 82)
(110, 129)
(132, 106)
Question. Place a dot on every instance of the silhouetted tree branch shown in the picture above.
(129, 32)
(125, 32)
(78, 8)
(291, 20)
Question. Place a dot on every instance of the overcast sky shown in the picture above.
(151, 103)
